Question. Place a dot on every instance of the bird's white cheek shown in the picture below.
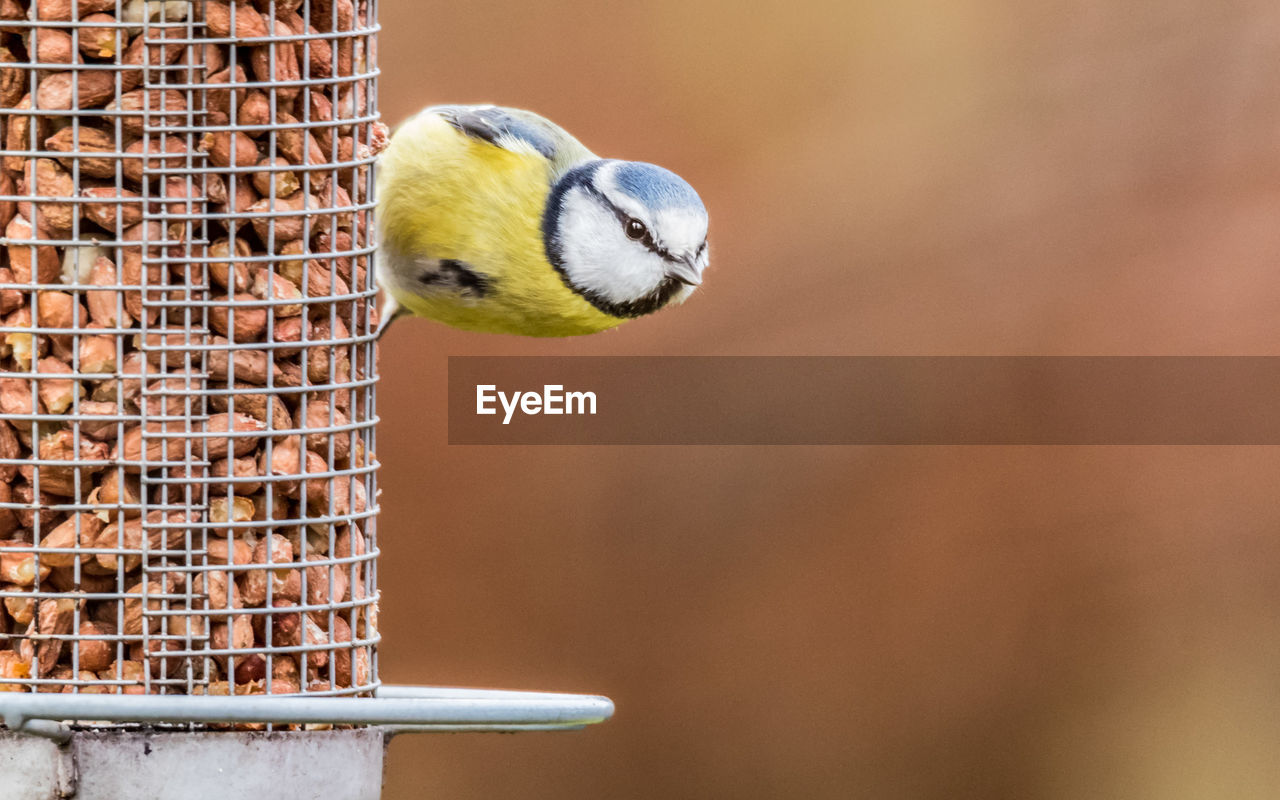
(599, 257)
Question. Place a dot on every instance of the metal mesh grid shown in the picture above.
(187, 487)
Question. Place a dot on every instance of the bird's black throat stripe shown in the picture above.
(581, 177)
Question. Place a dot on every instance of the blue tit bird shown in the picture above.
(494, 219)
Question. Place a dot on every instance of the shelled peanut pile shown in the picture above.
(185, 353)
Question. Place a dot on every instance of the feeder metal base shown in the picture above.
(319, 765)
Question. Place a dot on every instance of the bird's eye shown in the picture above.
(636, 229)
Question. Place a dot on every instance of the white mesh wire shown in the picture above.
(187, 487)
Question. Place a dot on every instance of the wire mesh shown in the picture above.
(187, 409)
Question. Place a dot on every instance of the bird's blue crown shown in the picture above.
(655, 187)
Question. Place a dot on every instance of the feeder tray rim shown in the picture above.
(397, 709)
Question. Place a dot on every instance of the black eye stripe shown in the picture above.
(624, 218)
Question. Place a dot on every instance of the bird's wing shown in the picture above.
(520, 131)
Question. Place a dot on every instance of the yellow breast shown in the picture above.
(445, 195)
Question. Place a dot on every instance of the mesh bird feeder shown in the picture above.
(188, 367)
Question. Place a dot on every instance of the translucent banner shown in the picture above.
(932, 400)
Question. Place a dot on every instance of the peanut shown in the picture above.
(236, 634)
(232, 275)
(285, 462)
(168, 154)
(131, 671)
(240, 468)
(220, 100)
(130, 538)
(250, 366)
(235, 509)
(7, 207)
(100, 40)
(272, 181)
(13, 668)
(157, 107)
(20, 568)
(118, 488)
(57, 395)
(22, 610)
(47, 178)
(38, 263)
(255, 109)
(230, 551)
(54, 618)
(50, 46)
(296, 143)
(254, 583)
(8, 520)
(228, 148)
(78, 530)
(12, 79)
(112, 209)
(284, 58)
(80, 143)
(100, 429)
(22, 346)
(277, 218)
(97, 354)
(221, 592)
(290, 330)
(270, 286)
(239, 321)
(82, 89)
(17, 400)
(61, 10)
(95, 654)
(318, 583)
(61, 481)
(145, 50)
(269, 409)
(18, 134)
(217, 447)
(237, 20)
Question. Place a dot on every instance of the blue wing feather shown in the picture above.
(504, 127)
(493, 124)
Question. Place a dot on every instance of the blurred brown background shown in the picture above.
(912, 177)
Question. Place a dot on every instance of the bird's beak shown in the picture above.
(686, 271)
